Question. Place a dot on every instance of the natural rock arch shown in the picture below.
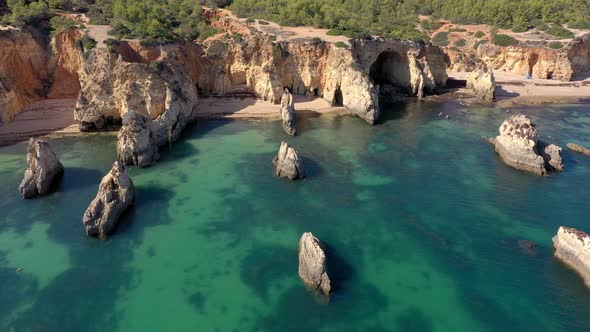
(391, 68)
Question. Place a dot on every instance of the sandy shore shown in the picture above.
(221, 107)
(516, 89)
(55, 116)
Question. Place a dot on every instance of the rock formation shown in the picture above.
(312, 264)
(288, 113)
(483, 84)
(30, 70)
(572, 247)
(578, 148)
(44, 169)
(287, 163)
(115, 194)
(531, 58)
(135, 144)
(519, 146)
(344, 77)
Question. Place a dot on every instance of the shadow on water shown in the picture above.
(77, 178)
(83, 297)
(340, 271)
(264, 266)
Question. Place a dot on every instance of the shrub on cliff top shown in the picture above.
(460, 43)
(479, 34)
(505, 40)
(341, 44)
(334, 32)
(555, 45)
(559, 31)
(441, 39)
(61, 23)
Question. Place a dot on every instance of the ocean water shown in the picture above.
(421, 220)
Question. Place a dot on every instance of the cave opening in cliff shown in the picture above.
(338, 100)
(533, 59)
(391, 73)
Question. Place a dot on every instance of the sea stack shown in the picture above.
(115, 194)
(288, 113)
(483, 84)
(135, 144)
(288, 164)
(44, 169)
(578, 148)
(519, 146)
(572, 247)
(312, 264)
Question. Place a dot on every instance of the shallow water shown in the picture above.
(420, 217)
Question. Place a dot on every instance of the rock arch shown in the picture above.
(391, 69)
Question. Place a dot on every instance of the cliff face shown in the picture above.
(30, 70)
(539, 62)
(164, 89)
(347, 77)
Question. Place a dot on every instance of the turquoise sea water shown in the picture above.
(421, 220)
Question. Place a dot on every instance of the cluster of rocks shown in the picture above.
(115, 193)
(578, 148)
(135, 141)
(519, 146)
(483, 83)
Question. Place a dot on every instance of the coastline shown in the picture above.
(53, 118)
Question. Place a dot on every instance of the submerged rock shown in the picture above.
(288, 164)
(44, 169)
(115, 194)
(572, 247)
(135, 145)
(483, 84)
(312, 264)
(518, 145)
(578, 148)
(288, 113)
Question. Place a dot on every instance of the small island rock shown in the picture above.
(135, 144)
(572, 247)
(44, 169)
(312, 264)
(578, 148)
(519, 146)
(483, 84)
(288, 113)
(115, 194)
(288, 164)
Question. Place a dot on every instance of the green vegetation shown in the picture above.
(505, 40)
(397, 18)
(430, 25)
(87, 43)
(261, 22)
(441, 39)
(460, 43)
(27, 12)
(334, 32)
(519, 28)
(479, 42)
(341, 44)
(559, 31)
(61, 23)
(555, 45)
(479, 34)
(457, 30)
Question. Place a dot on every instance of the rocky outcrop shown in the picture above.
(344, 77)
(164, 90)
(135, 142)
(44, 169)
(115, 194)
(578, 148)
(572, 247)
(483, 84)
(33, 68)
(312, 264)
(288, 113)
(288, 164)
(518, 145)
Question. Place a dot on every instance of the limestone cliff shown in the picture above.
(33, 68)
(347, 77)
(572, 247)
(163, 89)
(534, 59)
